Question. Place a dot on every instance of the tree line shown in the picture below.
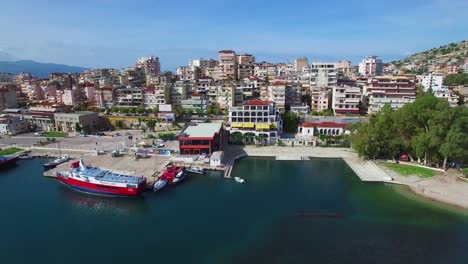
(428, 130)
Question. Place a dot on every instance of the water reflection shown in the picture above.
(93, 204)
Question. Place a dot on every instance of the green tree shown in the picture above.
(119, 124)
(77, 127)
(290, 121)
(132, 110)
(140, 110)
(150, 124)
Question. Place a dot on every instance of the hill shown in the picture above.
(36, 68)
(442, 59)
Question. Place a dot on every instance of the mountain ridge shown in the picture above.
(39, 69)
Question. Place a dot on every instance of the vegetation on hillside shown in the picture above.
(453, 53)
(456, 79)
(429, 130)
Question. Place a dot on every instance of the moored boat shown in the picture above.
(55, 162)
(98, 181)
(239, 180)
(196, 170)
(26, 157)
(160, 184)
(7, 160)
(181, 175)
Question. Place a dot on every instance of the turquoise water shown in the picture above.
(288, 212)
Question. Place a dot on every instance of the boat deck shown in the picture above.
(109, 176)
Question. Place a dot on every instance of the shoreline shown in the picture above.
(443, 189)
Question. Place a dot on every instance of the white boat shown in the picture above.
(159, 184)
(196, 170)
(239, 179)
(26, 157)
(179, 177)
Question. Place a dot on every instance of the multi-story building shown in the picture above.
(371, 66)
(8, 96)
(203, 138)
(448, 95)
(346, 99)
(300, 64)
(13, 125)
(344, 67)
(245, 59)
(89, 92)
(180, 91)
(150, 65)
(322, 74)
(431, 81)
(320, 99)
(68, 97)
(228, 63)
(203, 63)
(196, 103)
(259, 118)
(245, 70)
(285, 69)
(265, 70)
(129, 96)
(7, 78)
(104, 96)
(293, 95)
(155, 96)
(394, 90)
(277, 94)
(69, 122)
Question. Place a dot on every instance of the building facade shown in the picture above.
(255, 118)
(204, 138)
(346, 99)
(228, 64)
(69, 122)
(431, 81)
(8, 96)
(371, 66)
(394, 90)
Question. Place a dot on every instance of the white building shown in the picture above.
(68, 97)
(322, 74)
(448, 95)
(431, 81)
(300, 64)
(12, 125)
(257, 118)
(394, 90)
(371, 66)
(345, 99)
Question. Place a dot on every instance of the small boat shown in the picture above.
(180, 177)
(26, 157)
(160, 184)
(196, 170)
(239, 179)
(115, 153)
(56, 162)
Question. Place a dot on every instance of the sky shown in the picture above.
(114, 33)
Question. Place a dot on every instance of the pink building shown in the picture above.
(228, 63)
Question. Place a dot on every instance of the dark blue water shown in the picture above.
(288, 212)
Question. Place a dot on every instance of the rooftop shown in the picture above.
(202, 130)
(324, 124)
(256, 101)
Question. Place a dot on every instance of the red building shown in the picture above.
(202, 138)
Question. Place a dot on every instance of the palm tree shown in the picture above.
(249, 135)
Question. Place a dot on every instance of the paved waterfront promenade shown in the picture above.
(366, 170)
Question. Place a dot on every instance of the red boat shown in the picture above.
(173, 174)
(7, 160)
(102, 182)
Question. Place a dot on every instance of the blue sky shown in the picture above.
(113, 33)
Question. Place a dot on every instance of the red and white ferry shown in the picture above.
(101, 182)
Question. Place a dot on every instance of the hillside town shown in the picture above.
(252, 96)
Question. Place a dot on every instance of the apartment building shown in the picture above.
(277, 94)
(104, 96)
(246, 70)
(155, 96)
(8, 96)
(431, 81)
(394, 90)
(196, 103)
(447, 94)
(371, 66)
(255, 117)
(322, 74)
(300, 64)
(293, 95)
(129, 96)
(265, 70)
(228, 64)
(245, 59)
(180, 91)
(320, 99)
(346, 99)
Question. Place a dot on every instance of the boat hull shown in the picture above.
(7, 162)
(104, 190)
